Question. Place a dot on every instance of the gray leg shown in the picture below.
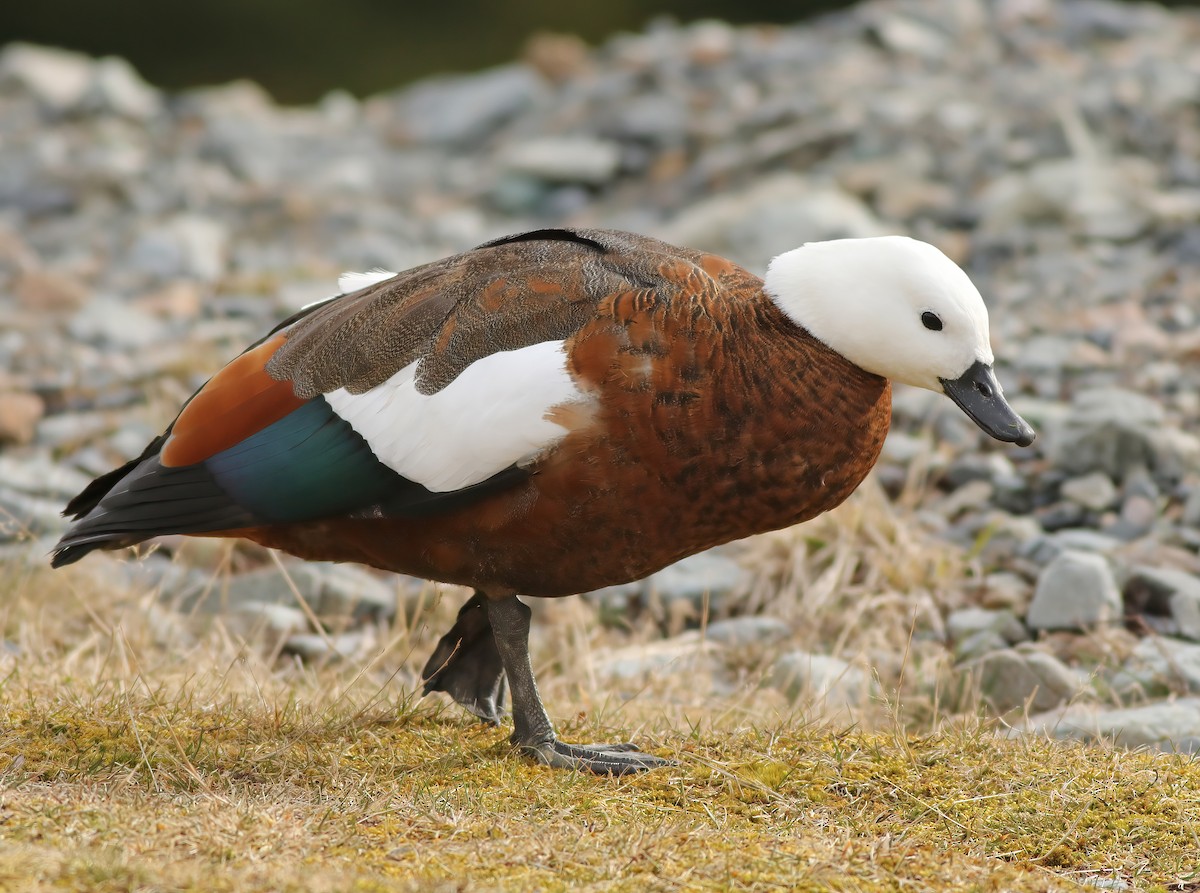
(533, 732)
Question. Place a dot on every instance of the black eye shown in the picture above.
(931, 321)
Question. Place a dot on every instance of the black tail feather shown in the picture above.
(144, 499)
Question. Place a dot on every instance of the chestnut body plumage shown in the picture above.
(547, 414)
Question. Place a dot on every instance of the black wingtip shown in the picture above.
(76, 544)
(67, 553)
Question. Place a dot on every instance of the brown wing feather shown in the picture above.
(504, 295)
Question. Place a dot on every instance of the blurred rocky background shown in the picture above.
(1052, 148)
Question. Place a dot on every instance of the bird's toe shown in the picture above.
(599, 759)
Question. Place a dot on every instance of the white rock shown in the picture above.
(1014, 677)
(903, 34)
(116, 86)
(1170, 725)
(828, 680)
(313, 646)
(112, 322)
(1076, 590)
(565, 159)
(1094, 491)
(742, 631)
(58, 78)
(969, 621)
(685, 654)
(185, 245)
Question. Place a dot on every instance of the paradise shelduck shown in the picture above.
(554, 412)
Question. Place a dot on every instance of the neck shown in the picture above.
(799, 283)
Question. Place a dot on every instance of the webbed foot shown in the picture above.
(466, 664)
(533, 733)
(600, 759)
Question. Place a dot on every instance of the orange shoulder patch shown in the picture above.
(716, 266)
(238, 401)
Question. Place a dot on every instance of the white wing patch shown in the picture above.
(493, 415)
(350, 282)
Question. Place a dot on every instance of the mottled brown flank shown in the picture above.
(716, 416)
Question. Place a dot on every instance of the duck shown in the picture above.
(553, 412)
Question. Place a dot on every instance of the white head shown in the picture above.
(903, 310)
(879, 302)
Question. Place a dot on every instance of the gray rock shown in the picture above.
(23, 515)
(1016, 677)
(1163, 590)
(333, 590)
(1105, 883)
(518, 193)
(967, 622)
(684, 655)
(654, 117)
(253, 618)
(977, 644)
(1114, 431)
(1003, 591)
(1137, 518)
(1168, 726)
(1077, 590)
(1060, 516)
(1098, 198)
(1042, 550)
(905, 35)
(315, 647)
(711, 575)
(176, 585)
(1191, 508)
(972, 495)
(40, 476)
(1094, 491)
(116, 324)
(828, 680)
(902, 448)
(59, 79)
(117, 87)
(466, 109)
(1157, 666)
(700, 581)
(775, 215)
(184, 246)
(737, 632)
(977, 467)
(1086, 541)
(69, 431)
(1007, 535)
(565, 159)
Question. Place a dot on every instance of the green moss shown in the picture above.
(150, 797)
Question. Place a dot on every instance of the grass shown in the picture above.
(144, 750)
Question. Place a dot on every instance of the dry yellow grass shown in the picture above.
(141, 750)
